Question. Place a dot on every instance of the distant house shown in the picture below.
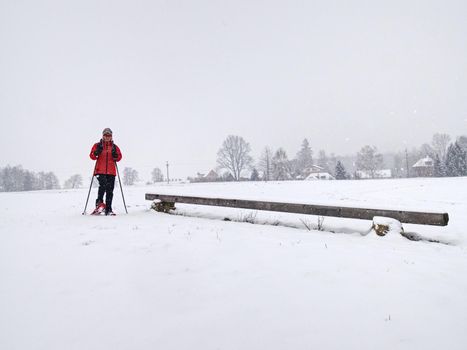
(314, 169)
(320, 176)
(424, 167)
(378, 174)
(228, 177)
(210, 177)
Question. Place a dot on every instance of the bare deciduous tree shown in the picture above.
(234, 155)
(369, 160)
(157, 175)
(281, 166)
(18, 179)
(426, 150)
(75, 181)
(323, 161)
(440, 145)
(48, 181)
(130, 176)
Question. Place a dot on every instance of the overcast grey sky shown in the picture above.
(174, 78)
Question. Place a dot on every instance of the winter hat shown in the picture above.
(107, 131)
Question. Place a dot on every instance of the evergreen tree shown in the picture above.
(254, 175)
(304, 158)
(451, 155)
(461, 160)
(438, 167)
(341, 174)
(462, 142)
(455, 161)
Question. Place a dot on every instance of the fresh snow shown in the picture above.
(191, 280)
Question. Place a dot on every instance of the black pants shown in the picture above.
(106, 185)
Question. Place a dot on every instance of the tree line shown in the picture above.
(449, 157)
(18, 179)
(234, 157)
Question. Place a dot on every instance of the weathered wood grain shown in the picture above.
(409, 217)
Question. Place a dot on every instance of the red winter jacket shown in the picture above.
(105, 162)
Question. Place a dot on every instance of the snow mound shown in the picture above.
(383, 226)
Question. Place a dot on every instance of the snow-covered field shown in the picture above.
(149, 280)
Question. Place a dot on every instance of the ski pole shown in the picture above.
(121, 189)
(90, 186)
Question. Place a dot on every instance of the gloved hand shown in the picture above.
(114, 152)
(99, 149)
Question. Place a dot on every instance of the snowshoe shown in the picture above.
(99, 209)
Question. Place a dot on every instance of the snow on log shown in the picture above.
(161, 206)
(382, 226)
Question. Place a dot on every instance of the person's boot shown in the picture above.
(108, 211)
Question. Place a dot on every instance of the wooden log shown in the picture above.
(409, 217)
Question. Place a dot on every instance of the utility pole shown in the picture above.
(407, 162)
(168, 178)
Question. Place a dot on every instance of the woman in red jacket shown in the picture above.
(106, 153)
